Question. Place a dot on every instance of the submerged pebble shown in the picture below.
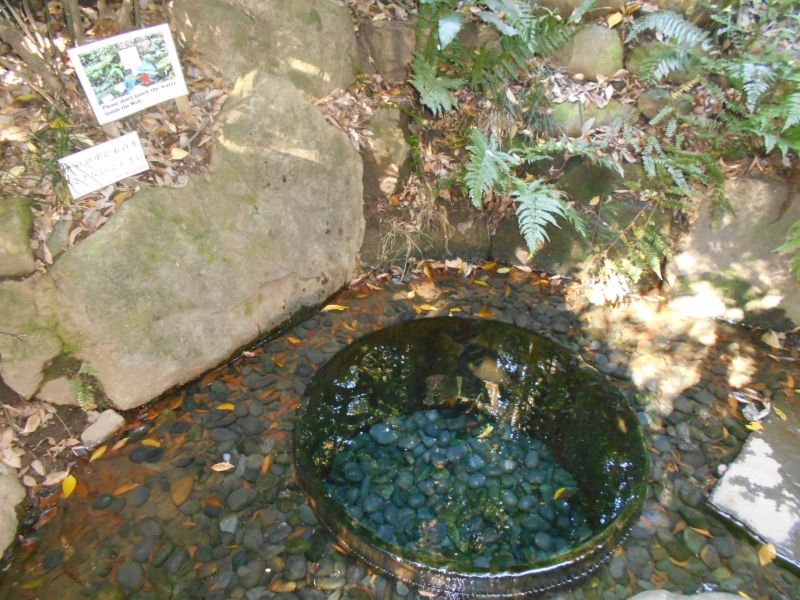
(459, 487)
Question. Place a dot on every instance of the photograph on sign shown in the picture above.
(103, 164)
(124, 74)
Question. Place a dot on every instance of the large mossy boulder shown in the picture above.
(310, 42)
(595, 51)
(16, 256)
(181, 278)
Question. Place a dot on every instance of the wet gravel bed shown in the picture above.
(198, 498)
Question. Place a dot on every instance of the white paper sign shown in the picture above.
(124, 74)
(101, 165)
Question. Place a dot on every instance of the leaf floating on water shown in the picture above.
(124, 489)
(98, 453)
(31, 584)
(485, 313)
(226, 406)
(703, 532)
(754, 426)
(293, 340)
(503, 270)
(486, 432)
(221, 467)
(282, 586)
(480, 282)
(559, 492)
(331, 307)
(780, 413)
(766, 554)
(265, 465)
(151, 443)
(119, 444)
(68, 485)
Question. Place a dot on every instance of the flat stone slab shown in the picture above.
(664, 595)
(761, 488)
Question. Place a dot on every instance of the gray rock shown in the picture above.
(309, 42)
(11, 494)
(16, 220)
(130, 576)
(57, 391)
(571, 117)
(241, 497)
(733, 262)
(296, 567)
(168, 286)
(31, 341)
(594, 51)
(387, 48)
(106, 425)
(388, 152)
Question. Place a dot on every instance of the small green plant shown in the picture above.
(84, 388)
(539, 204)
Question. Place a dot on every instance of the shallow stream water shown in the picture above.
(198, 498)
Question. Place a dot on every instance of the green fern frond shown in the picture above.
(435, 91)
(791, 109)
(666, 59)
(538, 206)
(755, 80)
(486, 167)
(672, 26)
(580, 11)
(792, 246)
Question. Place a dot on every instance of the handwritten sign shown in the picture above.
(124, 74)
(101, 165)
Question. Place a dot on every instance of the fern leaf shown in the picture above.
(539, 204)
(756, 80)
(581, 10)
(486, 167)
(673, 27)
(792, 111)
(435, 91)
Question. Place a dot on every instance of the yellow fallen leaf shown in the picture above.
(293, 340)
(151, 442)
(372, 286)
(480, 282)
(221, 467)
(614, 19)
(226, 406)
(503, 270)
(124, 489)
(679, 563)
(178, 154)
(703, 532)
(766, 554)
(119, 444)
(489, 266)
(559, 492)
(428, 307)
(594, 201)
(485, 313)
(68, 485)
(454, 310)
(745, 595)
(331, 307)
(780, 413)
(98, 453)
(754, 426)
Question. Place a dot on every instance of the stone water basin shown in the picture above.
(470, 458)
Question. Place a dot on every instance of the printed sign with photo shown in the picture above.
(129, 72)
